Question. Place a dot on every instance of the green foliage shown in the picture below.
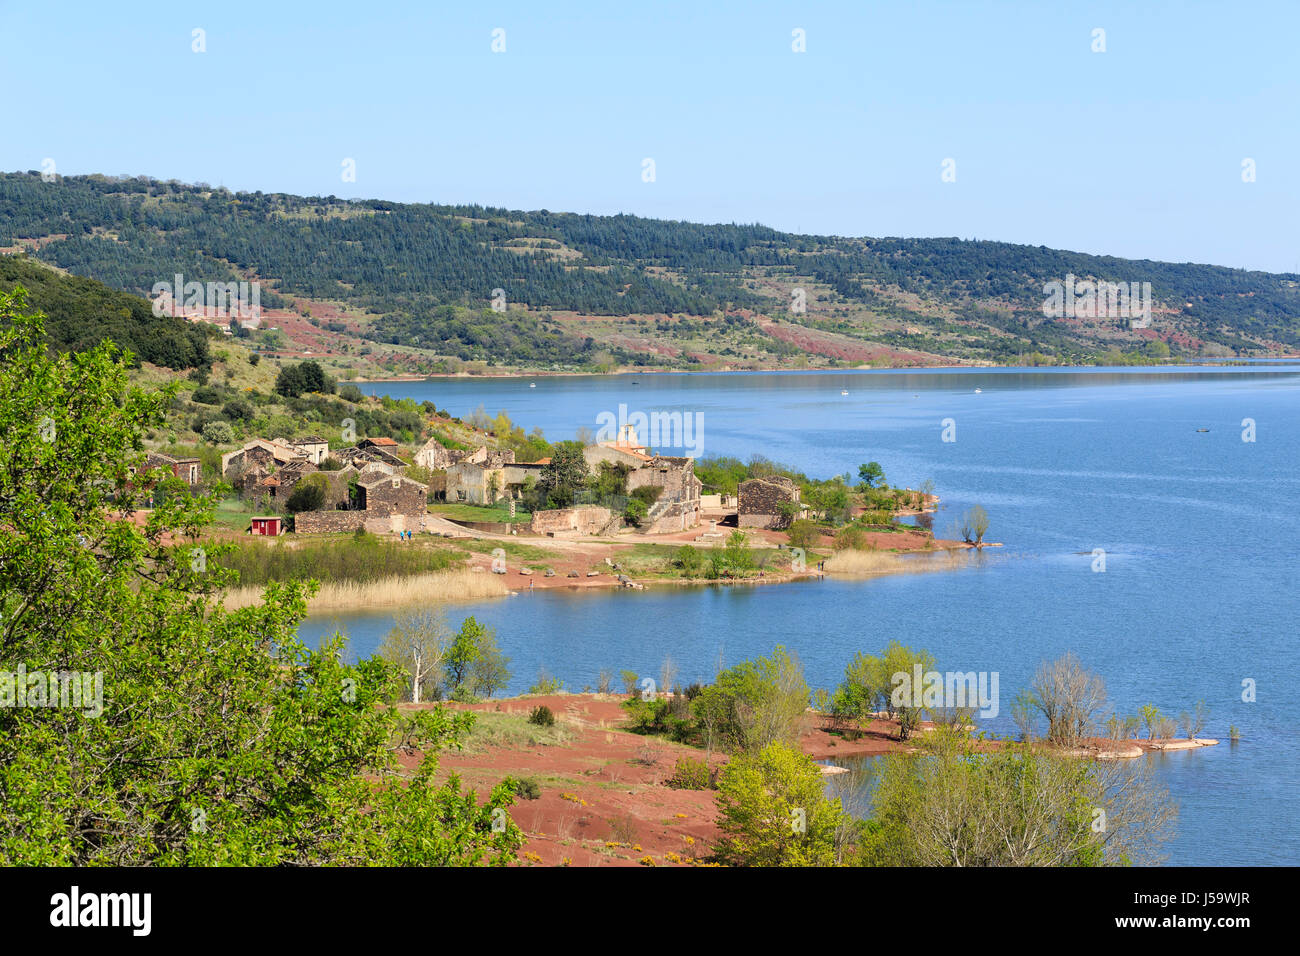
(357, 557)
(222, 739)
(690, 774)
(648, 493)
(875, 683)
(428, 270)
(773, 811)
(81, 313)
(634, 512)
(734, 559)
(307, 495)
(296, 380)
(526, 788)
(755, 703)
(871, 474)
(218, 433)
(689, 559)
(542, 716)
(804, 534)
(954, 805)
(564, 475)
(474, 662)
(974, 525)
(546, 685)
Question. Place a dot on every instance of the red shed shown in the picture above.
(269, 525)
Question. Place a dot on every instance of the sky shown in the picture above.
(1171, 135)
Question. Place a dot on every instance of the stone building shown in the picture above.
(759, 501)
(479, 477)
(678, 506)
(188, 470)
(380, 494)
(270, 454)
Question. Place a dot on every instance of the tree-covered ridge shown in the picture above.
(81, 313)
(430, 271)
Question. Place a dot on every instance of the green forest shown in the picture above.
(428, 273)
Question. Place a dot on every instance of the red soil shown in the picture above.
(604, 799)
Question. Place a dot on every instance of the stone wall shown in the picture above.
(336, 522)
(672, 516)
(584, 519)
(759, 500)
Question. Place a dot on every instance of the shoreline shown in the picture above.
(948, 366)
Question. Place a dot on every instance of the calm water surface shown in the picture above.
(1200, 531)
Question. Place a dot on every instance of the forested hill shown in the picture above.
(81, 313)
(669, 293)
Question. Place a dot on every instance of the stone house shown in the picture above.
(479, 478)
(271, 454)
(188, 470)
(386, 495)
(313, 447)
(759, 501)
(678, 506)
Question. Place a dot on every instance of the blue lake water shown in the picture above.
(1200, 531)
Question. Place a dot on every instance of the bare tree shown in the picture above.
(667, 674)
(418, 643)
(1069, 697)
(974, 525)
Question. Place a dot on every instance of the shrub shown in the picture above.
(526, 787)
(218, 433)
(546, 684)
(542, 716)
(635, 512)
(307, 495)
(691, 774)
(850, 536)
(804, 533)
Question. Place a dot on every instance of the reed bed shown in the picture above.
(853, 563)
(442, 587)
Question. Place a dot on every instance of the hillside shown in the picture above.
(391, 287)
(80, 313)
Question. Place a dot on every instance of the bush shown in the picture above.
(307, 495)
(238, 410)
(546, 684)
(689, 560)
(850, 536)
(218, 433)
(526, 787)
(691, 775)
(804, 533)
(648, 493)
(542, 716)
(635, 512)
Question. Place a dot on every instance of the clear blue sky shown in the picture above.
(1136, 151)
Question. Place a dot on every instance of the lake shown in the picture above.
(1199, 530)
